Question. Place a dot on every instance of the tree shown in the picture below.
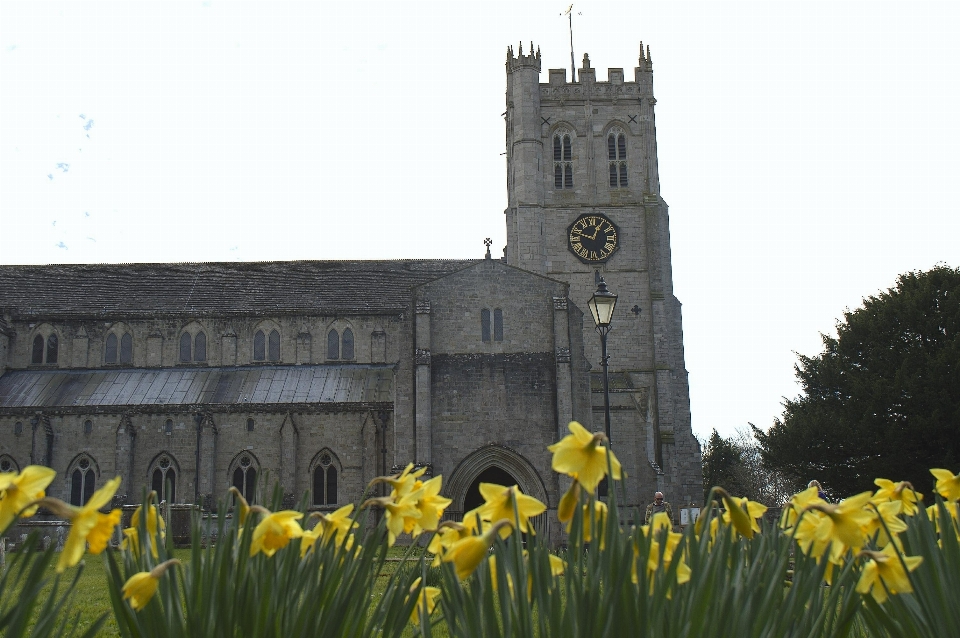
(883, 398)
(736, 464)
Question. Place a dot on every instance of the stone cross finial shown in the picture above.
(487, 242)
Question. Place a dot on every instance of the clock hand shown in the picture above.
(595, 231)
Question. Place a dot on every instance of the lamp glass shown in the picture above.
(601, 307)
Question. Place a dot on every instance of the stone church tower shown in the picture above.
(584, 202)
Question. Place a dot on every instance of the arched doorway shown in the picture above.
(492, 474)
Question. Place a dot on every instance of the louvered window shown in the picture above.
(562, 160)
(617, 158)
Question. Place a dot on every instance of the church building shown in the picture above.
(188, 378)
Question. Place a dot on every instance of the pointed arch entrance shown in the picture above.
(493, 464)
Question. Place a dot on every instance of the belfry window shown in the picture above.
(617, 158)
(562, 160)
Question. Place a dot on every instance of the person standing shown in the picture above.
(658, 505)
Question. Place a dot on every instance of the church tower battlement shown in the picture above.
(584, 201)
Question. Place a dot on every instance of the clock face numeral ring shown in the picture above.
(593, 238)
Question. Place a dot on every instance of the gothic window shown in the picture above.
(110, 352)
(274, 345)
(333, 345)
(617, 158)
(325, 479)
(88, 427)
(37, 350)
(244, 476)
(7, 464)
(126, 348)
(185, 354)
(200, 347)
(251, 424)
(259, 346)
(163, 478)
(53, 346)
(168, 427)
(347, 350)
(497, 324)
(83, 481)
(562, 160)
(485, 325)
(18, 428)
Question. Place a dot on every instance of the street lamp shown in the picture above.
(601, 306)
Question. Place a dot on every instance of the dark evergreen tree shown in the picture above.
(883, 399)
(721, 459)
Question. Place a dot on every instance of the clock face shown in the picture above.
(593, 238)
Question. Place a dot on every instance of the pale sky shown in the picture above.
(806, 148)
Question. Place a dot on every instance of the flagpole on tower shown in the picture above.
(573, 64)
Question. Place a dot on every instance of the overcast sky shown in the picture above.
(808, 150)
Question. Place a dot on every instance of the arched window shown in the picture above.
(83, 481)
(333, 345)
(251, 424)
(168, 427)
(617, 158)
(18, 428)
(37, 356)
(485, 325)
(110, 351)
(200, 347)
(126, 348)
(562, 160)
(163, 478)
(185, 350)
(325, 481)
(274, 345)
(259, 346)
(347, 350)
(497, 324)
(244, 476)
(88, 427)
(53, 348)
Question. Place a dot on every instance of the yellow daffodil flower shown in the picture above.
(275, 531)
(243, 508)
(500, 502)
(141, 587)
(889, 513)
(402, 483)
(598, 521)
(467, 553)
(844, 523)
(335, 526)
(154, 523)
(431, 506)
(742, 513)
(884, 572)
(401, 515)
(426, 596)
(557, 566)
(948, 485)
(669, 541)
(798, 504)
(902, 492)
(568, 503)
(17, 491)
(580, 455)
(86, 524)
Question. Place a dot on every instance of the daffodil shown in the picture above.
(431, 506)
(401, 514)
(154, 523)
(742, 513)
(661, 553)
(500, 504)
(948, 485)
(86, 523)
(580, 455)
(492, 565)
(17, 491)
(568, 503)
(402, 483)
(844, 524)
(887, 522)
(597, 521)
(902, 492)
(426, 598)
(798, 504)
(243, 508)
(141, 587)
(275, 531)
(467, 553)
(884, 573)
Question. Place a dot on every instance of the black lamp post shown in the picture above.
(601, 306)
